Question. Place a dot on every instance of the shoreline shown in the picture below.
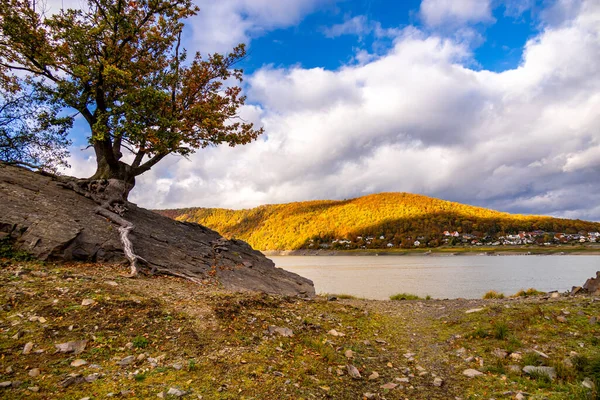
(442, 252)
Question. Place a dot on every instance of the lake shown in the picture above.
(440, 276)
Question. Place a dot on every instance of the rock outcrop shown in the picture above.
(54, 223)
(592, 285)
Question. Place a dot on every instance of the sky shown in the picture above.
(494, 103)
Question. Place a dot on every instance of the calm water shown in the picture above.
(441, 277)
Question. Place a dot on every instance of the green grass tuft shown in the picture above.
(405, 296)
(492, 294)
(527, 293)
(500, 330)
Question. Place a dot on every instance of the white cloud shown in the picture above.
(415, 119)
(358, 25)
(440, 12)
(221, 25)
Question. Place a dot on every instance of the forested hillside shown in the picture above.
(374, 221)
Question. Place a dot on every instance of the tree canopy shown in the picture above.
(120, 64)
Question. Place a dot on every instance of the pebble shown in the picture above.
(516, 356)
(175, 392)
(353, 372)
(126, 361)
(349, 353)
(178, 366)
(438, 382)
(402, 380)
(588, 384)
(520, 396)
(471, 373)
(389, 386)
(78, 363)
(5, 384)
(562, 319)
(87, 302)
(27, 348)
(474, 310)
(544, 355)
(368, 395)
(92, 377)
(499, 353)
(34, 372)
(373, 376)
(111, 283)
(9, 370)
(333, 332)
(34, 389)
(74, 347)
(285, 332)
(593, 320)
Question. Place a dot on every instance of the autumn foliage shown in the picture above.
(398, 217)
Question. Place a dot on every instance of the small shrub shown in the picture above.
(139, 377)
(492, 294)
(140, 342)
(192, 365)
(563, 371)
(7, 250)
(428, 297)
(405, 296)
(500, 330)
(540, 377)
(527, 293)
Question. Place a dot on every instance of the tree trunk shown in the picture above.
(109, 168)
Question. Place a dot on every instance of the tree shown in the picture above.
(32, 133)
(121, 66)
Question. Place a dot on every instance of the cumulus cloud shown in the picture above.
(415, 119)
(439, 12)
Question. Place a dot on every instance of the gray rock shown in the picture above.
(592, 285)
(500, 353)
(72, 379)
(87, 302)
(27, 348)
(92, 377)
(353, 372)
(285, 332)
(51, 222)
(5, 384)
(374, 375)
(389, 386)
(474, 310)
(438, 382)
(471, 373)
(403, 380)
(520, 396)
(34, 389)
(369, 395)
(178, 366)
(593, 320)
(78, 363)
(349, 353)
(176, 392)
(548, 371)
(588, 384)
(126, 361)
(74, 347)
(34, 372)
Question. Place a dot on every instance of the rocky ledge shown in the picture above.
(52, 223)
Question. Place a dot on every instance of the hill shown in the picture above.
(378, 221)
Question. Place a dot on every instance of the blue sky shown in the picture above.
(486, 102)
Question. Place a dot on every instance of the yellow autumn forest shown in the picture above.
(386, 219)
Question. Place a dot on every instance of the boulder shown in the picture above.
(592, 285)
(53, 223)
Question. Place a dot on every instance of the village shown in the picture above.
(447, 238)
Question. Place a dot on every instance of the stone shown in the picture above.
(474, 310)
(471, 373)
(349, 353)
(34, 389)
(333, 332)
(543, 355)
(389, 386)
(50, 221)
(374, 375)
(85, 398)
(520, 396)
(8, 370)
(548, 371)
(176, 392)
(27, 348)
(126, 361)
(562, 319)
(369, 395)
(593, 320)
(78, 363)
(353, 372)
(178, 366)
(92, 377)
(5, 384)
(592, 285)
(285, 332)
(72, 379)
(34, 372)
(87, 302)
(111, 283)
(402, 380)
(515, 369)
(438, 382)
(588, 384)
(516, 356)
(499, 353)
(555, 295)
(575, 290)
(74, 347)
